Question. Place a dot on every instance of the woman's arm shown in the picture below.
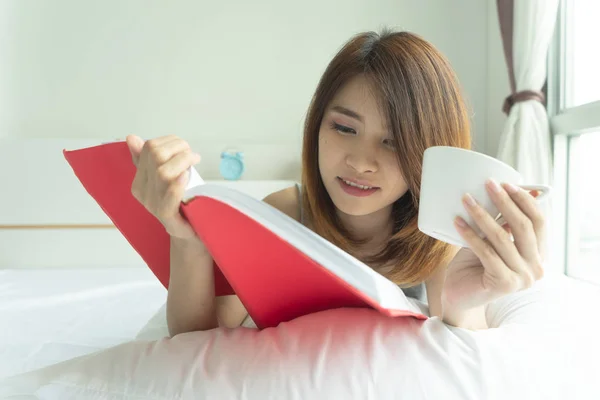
(473, 319)
(191, 301)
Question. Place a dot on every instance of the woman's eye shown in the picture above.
(342, 128)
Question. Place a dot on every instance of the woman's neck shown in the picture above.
(374, 229)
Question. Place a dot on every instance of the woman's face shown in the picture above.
(355, 148)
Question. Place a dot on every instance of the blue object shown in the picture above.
(232, 165)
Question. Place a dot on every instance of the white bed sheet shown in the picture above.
(51, 315)
(544, 345)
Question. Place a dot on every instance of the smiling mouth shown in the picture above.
(353, 184)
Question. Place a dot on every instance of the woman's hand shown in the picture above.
(161, 177)
(496, 265)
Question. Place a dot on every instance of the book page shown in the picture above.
(194, 180)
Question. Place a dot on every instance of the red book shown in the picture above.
(277, 267)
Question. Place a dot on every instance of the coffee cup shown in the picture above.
(450, 172)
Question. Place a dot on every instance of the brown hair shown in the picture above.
(419, 94)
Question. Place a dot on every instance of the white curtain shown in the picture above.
(525, 140)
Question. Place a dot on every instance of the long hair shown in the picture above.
(419, 94)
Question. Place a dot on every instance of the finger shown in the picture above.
(495, 234)
(162, 150)
(140, 179)
(155, 143)
(163, 139)
(173, 196)
(497, 271)
(522, 229)
(135, 144)
(173, 168)
(535, 221)
(176, 189)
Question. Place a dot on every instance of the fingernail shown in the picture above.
(460, 222)
(493, 185)
(469, 200)
(510, 188)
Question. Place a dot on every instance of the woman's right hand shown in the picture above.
(161, 177)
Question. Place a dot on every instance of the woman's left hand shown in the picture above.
(496, 265)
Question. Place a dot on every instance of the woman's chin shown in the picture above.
(354, 209)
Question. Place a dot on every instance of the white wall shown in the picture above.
(231, 73)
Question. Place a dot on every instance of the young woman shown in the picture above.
(383, 100)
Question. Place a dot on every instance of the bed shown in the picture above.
(102, 333)
(51, 315)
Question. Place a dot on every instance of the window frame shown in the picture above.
(567, 125)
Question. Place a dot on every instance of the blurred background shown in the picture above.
(220, 74)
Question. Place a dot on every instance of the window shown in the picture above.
(583, 62)
(574, 108)
(583, 211)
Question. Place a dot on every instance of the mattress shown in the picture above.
(51, 315)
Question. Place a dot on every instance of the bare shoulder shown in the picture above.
(286, 201)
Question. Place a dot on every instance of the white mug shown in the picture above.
(450, 172)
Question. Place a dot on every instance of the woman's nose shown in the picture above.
(362, 160)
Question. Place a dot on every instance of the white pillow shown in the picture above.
(350, 353)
